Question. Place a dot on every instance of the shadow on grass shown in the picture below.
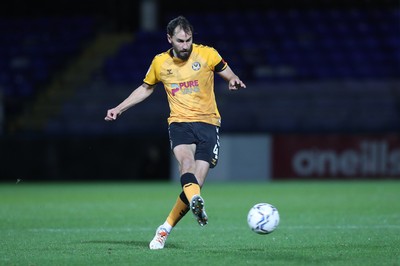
(134, 243)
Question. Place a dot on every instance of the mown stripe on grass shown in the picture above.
(133, 229)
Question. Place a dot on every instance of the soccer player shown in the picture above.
(187, 73)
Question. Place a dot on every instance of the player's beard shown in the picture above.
(184, 54)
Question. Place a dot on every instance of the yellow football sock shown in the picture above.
(178, 211)
(189, 185)
(191, 189)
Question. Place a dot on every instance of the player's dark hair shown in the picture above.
(182, 22)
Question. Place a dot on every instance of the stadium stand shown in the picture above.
(308, 70)
(328, 70)
(32, 50)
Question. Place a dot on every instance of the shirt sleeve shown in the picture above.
(220, 66)
(151, 75)
(219, 63)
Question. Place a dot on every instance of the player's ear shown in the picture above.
(169, 38)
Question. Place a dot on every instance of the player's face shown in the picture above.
(181, 43)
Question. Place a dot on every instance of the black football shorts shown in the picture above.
(205, 136)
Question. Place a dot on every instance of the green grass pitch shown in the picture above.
(322, 223)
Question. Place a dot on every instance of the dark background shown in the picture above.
(304, 77)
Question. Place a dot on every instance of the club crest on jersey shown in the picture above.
(196, 66)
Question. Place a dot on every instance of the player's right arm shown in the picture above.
(138, 95)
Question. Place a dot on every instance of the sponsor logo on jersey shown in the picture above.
(186, 87)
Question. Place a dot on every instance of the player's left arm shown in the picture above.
(233, 80)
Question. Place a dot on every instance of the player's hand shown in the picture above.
(112, 114)
(235, 84)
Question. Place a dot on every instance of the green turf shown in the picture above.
(322, 223)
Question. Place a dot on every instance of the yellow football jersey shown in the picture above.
(189, 84)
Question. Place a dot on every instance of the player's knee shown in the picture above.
(187, 165)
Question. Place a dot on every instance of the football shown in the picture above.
(263, 218)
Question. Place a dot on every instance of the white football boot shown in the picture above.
(159, 239)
